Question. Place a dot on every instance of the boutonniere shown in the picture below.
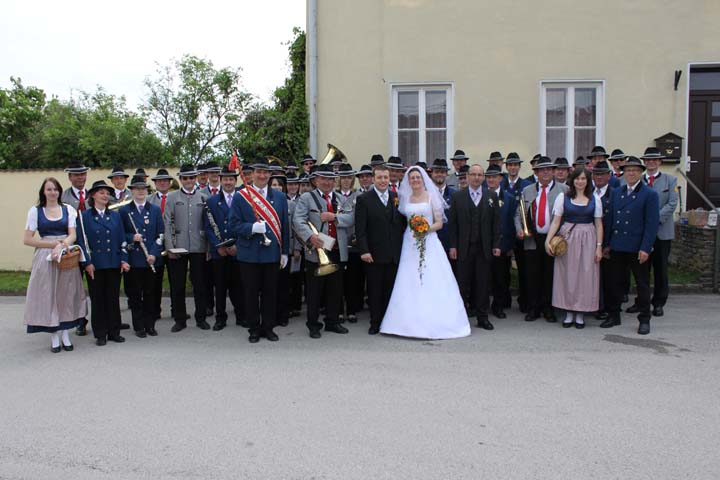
(500, 203)
(396, 201)
(490, 202)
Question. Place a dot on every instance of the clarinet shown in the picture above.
(142, 243)
(215, 228)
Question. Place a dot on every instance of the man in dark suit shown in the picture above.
(601, 183)
(439, 174)
(514, 185)
(634, 221)
(379, 228)
(502, 264)
(474, 238)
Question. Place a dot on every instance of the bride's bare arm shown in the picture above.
(437, 217)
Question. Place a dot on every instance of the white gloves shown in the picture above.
(259, 227)
(283, 261)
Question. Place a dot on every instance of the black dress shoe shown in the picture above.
(124, 326)
(336, 327)
(644, 329)
(602, 315)
(81, 330)
(523, 308)
(218, 326)
(283, 323)
(271, 336)
(140, 333)
(254, 338)
(658, 312)
(315, 334)
(373, 330)
(209, 312)
(499, 314)
(567, 324)
(68, 348)
(117, 338)
(177, 327)
(632, 309)
(241, 323)
(187, 316)
(352, 319)
(610, 322)
(550, 317)
(152, 332)
(485, 324)
(203, 325)
(55, 349)
(531, 317)
(579, 326)
(101, 341)
(625, 298)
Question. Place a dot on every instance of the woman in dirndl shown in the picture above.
(577, 216)
(55, 298)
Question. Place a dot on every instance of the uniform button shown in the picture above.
(626, 223)
(108, 240)
(628, 211)
(618, 211)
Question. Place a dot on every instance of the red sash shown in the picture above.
(264, 210)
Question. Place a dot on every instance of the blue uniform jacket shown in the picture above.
(443, 232)
(221, 214)
(106, 238)
(614, 181)
(606, 218)
(249, 245)
(150, 225)
(520, 183)
(634, 219)
(508, 206)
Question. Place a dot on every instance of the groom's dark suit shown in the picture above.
(474, 231)
(379, 231)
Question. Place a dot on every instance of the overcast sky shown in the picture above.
(78, 44)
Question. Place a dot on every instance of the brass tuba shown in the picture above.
(326, 267)
(333, 154)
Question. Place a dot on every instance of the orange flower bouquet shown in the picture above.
(420, 229)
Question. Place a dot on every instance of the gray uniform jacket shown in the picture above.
(155, 199)
(295, 244)
(183, 220)
(127, 194)
(68, 197)
(306, 210)
(666, 187)
(529, 194)
(347, 205)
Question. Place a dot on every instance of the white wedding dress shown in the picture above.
(433, 308)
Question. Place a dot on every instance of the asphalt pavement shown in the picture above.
(525, 401)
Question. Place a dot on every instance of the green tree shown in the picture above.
(280, 129)
(193, 106)
(20, 109)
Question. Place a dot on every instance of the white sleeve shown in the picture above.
(559, 206)
(598, 207)
(32, 220)
(72, 216)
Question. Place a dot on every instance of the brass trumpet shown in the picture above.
(523, 218)
(118, 205)
(326, 267)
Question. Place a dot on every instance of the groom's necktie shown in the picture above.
(384, 198)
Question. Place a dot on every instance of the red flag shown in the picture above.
(234, 163)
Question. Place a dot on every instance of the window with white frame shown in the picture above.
(572, 118)
(422, 122)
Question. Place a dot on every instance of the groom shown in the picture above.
(474, 238)
(379, 231)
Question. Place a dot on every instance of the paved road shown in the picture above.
(526, 401)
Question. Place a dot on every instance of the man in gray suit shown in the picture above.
(183, 218)
(666, 187)
(539, 199)
(321, 208)
(118, 177)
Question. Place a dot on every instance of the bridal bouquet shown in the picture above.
(420, 228)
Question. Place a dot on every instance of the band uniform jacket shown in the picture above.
(529, 195)
(306, 210)
(127, 195)
(379, 228)
(665, 186)
(250, 247)
(68, 197)
(605, 200)
(460, 222)
(508, 205)
(150, 225)
(634, 219)
(105, 237)
(183, 220)
(295, 244)
(347, 205)
(218, 207)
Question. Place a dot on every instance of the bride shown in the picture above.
(425, 301)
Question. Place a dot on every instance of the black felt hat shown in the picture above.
(376, 160)
(495, 156)
(535, 159)
(98, 185)
(439, 164)
(601, 167)
(543, 162)
(460, 155)
(187, 170)
(141, 172)
(395, 163)
(617, 154)
(365, 170)
(325, 171)
(162, 174)
(307, 158)
(138, 181)
(562, 162)
(226, 172)
(493, 170)
(118, 172)
(513, 157)
(346, 170)
(76, 168)
(633, 162)
(652, 153)
(261, 163)
(598, 151)
(462, 172)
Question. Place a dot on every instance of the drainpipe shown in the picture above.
(312, 74)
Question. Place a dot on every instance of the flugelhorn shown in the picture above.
(120, 204)
(326, 267)
(333, 154)
(523, 218)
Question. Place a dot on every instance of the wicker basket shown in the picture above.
(558, 245)
(70, 259)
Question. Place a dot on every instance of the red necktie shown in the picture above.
(162, 203)
(618, 175)
(214, 191)
(81, 203)
(121, 195)
(331, 225)
(393, 188)
(541, 208)
(651, 180)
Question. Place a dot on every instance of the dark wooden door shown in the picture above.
(704, 147)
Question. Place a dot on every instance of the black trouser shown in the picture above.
(157, 298)
(283, 300)
(659, 259)
(501, 282)
(226, 273)
(295, 289)
(209, 285)
(474, 278)
(324, 291)
(380, 282)
(82, 320)
(178, 273)
(259, 282)
(520, 261)
(140, 287)
(105, 298)
(619, 264)
(605, 284)
(354, 284)
(540, 272)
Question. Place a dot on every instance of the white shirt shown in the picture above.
(548, 208)
(118, 192)
(498, 192)
(384, 196)
(228, 197)
(189, 192)
(139, 206)
(77, 192)
(631, 188)
(475, 195)
(322, 195)
(32, 218)
(160, 195)
(559, 206)
(601, 193)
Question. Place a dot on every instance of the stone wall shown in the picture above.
(694, 250)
